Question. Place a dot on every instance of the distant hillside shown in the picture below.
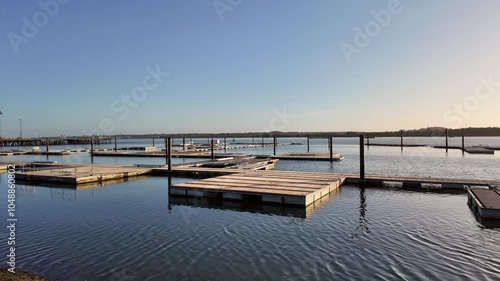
(423, 132)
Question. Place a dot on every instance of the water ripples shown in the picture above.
(127, 232)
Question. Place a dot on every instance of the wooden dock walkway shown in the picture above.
(395, 145)
(242, 164)
(159, 154)
(471, 149)
(203, 153)
(419, 182)
(50, 152)
(301, 189)
(75, 174)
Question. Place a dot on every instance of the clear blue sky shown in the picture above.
(234, 73)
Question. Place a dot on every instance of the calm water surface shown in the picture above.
(131, 231)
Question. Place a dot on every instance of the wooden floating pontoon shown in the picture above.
(75, 174)
(301, 188)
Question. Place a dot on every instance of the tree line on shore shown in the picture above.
(424, 132)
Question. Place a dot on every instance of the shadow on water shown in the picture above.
(83, 185)
(487, 223)
(250, 204)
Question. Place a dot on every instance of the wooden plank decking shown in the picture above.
(74, 174)
(301, 188)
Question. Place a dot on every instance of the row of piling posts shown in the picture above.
(362, 151)
(446, 137)
(362, 139)
(116, 147)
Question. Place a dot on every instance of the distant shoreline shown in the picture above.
(425, 132)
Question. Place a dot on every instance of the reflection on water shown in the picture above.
(363, 220)
(251, 207)
(131, 231)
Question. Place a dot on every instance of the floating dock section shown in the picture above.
(485, 202)
(276, 187)
(75, 174)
